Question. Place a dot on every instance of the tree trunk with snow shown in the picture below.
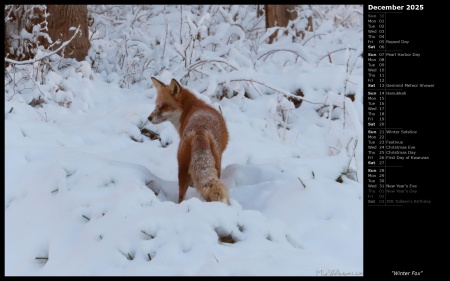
(61, 19)
(29, 26)
(278, 15)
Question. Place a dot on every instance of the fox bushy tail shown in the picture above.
(205, 172)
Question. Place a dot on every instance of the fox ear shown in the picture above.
(158, 84)
(174, 87)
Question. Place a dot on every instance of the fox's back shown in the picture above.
(203, 119)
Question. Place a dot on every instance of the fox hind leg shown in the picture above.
(183, 186)
(184, 161)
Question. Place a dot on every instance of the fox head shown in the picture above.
(168, 104)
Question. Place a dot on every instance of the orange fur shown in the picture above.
(203, 138)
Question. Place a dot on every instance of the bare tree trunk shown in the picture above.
(61, 19)
(279, 15)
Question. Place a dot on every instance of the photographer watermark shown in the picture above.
(337, 272)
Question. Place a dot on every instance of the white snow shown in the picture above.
(87, 194)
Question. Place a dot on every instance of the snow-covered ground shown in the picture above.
(86, 193)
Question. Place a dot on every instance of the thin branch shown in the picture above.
(335, 51)
(320, 34)
(280, 50)
(35, 59)
(353, 155)
(199, 63)
(304, 186)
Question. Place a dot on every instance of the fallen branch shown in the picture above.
(283, 92)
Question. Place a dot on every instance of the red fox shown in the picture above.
(203, 138)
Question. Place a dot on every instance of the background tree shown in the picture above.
(61, 19)
(280, 15)
(30, 28)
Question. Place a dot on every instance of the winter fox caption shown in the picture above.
(203, 138)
